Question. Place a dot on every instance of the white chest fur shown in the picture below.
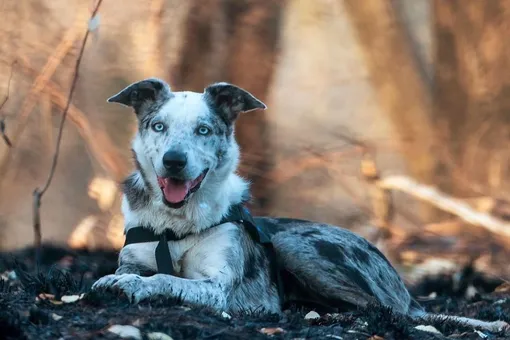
(195, 257)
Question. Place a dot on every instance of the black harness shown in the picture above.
(238, 214)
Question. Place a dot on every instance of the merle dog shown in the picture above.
(185, 181)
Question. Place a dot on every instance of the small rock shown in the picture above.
(471, 292)
(71, 298)
(427, 328)
(432, 295)
(126, 331)
(12, 275)
(56, 317)
(225, 315)
(312, 316)
(159, 336)
(136, 323)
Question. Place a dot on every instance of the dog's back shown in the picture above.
(332, 266)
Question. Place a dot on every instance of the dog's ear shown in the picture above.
(141, 93)
(231, 100)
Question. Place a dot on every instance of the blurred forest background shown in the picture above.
(388, 117)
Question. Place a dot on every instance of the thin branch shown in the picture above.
(8, 85)
(2, 119)
(99, 143)
(38, 85)
(39, 193)
(69, 99)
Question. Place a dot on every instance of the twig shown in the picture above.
(8, 85)
(39, 193)
(2, 119)
(383, 207)
(99, 143)
(446, 203)
(40, 82)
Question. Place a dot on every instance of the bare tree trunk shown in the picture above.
(153, 38)
(400, 86)
(235, 41)
(472, 91)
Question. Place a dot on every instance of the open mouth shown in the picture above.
(176, 191)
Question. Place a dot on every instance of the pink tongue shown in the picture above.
(175, 191)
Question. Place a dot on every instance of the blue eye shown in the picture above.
(158, 127)
(203, 130)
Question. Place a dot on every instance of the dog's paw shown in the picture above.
(134, 287)
(105, 282)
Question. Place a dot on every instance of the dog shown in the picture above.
(185, 182)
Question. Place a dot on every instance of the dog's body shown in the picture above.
(186, 181)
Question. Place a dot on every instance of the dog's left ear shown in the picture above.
(232, 100)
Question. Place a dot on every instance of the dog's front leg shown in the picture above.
(131, 268)
(204, 292)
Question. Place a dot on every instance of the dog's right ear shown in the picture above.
(140, 94)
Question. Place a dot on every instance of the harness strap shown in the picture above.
(163, 257)
(237, 214)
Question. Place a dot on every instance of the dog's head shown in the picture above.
(185, 138)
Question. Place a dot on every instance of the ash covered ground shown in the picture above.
(31, 307)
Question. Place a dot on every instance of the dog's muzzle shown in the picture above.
(176, 191)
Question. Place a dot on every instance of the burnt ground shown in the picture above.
(68, 272)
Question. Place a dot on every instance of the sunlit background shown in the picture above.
(386, 117)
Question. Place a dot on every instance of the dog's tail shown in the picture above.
(417, 312)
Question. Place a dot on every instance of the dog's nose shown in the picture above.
(174, 161)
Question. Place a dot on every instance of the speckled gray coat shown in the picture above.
(222, 267)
